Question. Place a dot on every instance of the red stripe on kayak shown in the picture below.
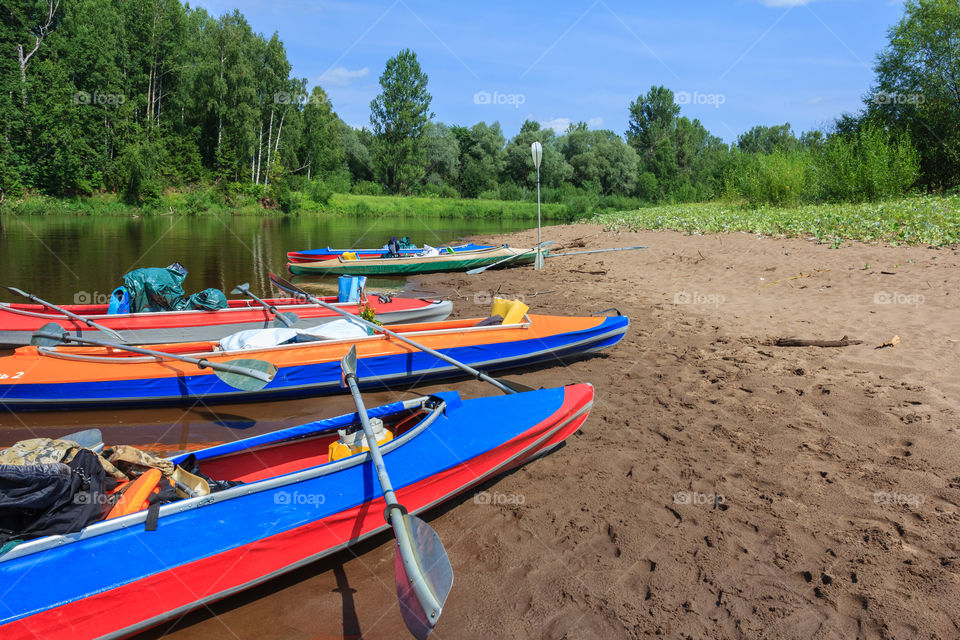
(126, 606)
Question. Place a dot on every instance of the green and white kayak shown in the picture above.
(459, 261)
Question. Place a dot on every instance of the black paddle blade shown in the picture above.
(286, 285)
(435, 571)
(285, 319)
(516, 386)
(49, 335)
(243, 381)
(241, 289)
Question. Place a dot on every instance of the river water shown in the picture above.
(74, 259)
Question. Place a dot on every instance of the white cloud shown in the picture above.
(785, 3)
(341, 76)
(595, 123)
(559, 125)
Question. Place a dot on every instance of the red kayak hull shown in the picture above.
(18, 322)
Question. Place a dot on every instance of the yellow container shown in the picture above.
(349, 255)
(512, 311)
(515, 313)
(339, 451)
(500, 307)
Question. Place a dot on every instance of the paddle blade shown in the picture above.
(515, 386)
(433, 569)
(244, 381)
(49, 335)
(241, 289)
(285, 319)
(88, 439)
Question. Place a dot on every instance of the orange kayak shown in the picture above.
(68, 376)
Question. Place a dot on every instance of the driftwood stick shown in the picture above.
(798, 342)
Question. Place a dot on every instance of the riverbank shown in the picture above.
(208, 202)
(932, 220)
(722, 487)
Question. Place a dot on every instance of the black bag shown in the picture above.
(51, 499)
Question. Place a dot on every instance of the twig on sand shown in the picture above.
(802, 275)
(592, 273)
(798, 342)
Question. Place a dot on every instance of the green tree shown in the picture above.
(917, 89)
(399, 115)
(518, 163)
(322, 149)
(442, 152)
(763, 139)
(601, 160)
(481, 157)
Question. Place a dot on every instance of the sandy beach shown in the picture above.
(723, 486)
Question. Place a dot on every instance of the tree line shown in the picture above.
(140, 96)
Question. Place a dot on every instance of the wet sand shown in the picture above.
(723, 486)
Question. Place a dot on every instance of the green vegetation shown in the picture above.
(167, 108)
(210, 202)
(917, 220)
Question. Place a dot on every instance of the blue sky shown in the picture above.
(732, 63)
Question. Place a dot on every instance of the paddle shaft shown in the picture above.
(578, 253)
(200, 363)
(436, 354)
(69, 314)
(396, 514)
(539, 247)
(266, 305)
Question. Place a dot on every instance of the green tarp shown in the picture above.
(161, 289)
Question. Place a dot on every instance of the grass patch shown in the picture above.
(916, 220)
(352, 204)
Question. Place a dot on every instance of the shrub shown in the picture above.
(320, 191)
(781, 178)
(367, 188)
(867, 165)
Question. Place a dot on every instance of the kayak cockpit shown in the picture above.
(269, 462)
(299, 452)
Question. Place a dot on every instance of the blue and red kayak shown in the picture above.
(115, 578)
(65, 377)
(313, 255)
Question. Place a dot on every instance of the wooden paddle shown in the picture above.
(69, 314)
(473, 272)
(424, 575)
(286, 319)
(244, 374)
(503, 385)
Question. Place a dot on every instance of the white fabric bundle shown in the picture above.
(261, 338)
